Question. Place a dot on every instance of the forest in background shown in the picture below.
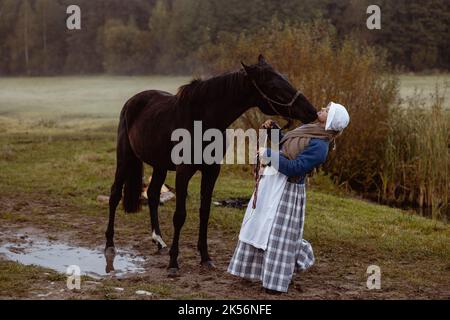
(165, 37)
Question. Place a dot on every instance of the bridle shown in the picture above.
(297, 94)
(271, 101)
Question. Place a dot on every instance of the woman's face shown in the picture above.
(323, 114)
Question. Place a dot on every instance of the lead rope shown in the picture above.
(256, 170)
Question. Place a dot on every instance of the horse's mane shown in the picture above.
(198, 91)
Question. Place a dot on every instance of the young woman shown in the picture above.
(271, 245)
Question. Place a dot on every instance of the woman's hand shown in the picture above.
(269, 124)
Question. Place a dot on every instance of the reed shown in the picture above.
(417, 158)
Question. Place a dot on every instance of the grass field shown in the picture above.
(425, 85)
(71, 102)
(57, 154)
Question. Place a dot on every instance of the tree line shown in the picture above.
(165, 36)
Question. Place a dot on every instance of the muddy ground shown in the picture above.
(338, 274)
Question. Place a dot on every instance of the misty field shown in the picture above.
(57, 154)
(425, 85)
(71, 102)
(66, 100)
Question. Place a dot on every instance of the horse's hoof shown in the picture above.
(208, 265)
(173, 273)
(163, 251)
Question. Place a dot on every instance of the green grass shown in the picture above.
(18, 281)
(68, 174)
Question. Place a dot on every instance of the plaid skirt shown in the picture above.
(287, 251)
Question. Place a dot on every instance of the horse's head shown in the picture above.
(276, 95)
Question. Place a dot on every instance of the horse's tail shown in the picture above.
(132, 166)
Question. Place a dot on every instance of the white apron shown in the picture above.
(258, 222)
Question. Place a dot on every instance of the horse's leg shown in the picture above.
(114, 199)
(123, 156)
(209, 177)
(183, 175)
(153, 195)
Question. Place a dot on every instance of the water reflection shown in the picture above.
(110, 255)
(58, 256)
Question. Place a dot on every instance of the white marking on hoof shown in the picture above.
(158, 239)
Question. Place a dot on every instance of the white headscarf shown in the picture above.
(338, 117)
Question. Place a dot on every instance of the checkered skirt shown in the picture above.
(287, 251)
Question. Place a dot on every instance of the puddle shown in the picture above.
(59, 256)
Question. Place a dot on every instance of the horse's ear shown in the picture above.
(249, 70)
(261, 60)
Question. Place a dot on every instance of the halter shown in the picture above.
(270, 101)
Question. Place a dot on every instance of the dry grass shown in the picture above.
(417, 170)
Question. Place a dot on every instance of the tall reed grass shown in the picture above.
(417, 158)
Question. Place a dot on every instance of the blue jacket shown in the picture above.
(314, 154)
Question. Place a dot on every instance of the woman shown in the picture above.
(271, 245)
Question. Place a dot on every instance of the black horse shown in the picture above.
(144, 135)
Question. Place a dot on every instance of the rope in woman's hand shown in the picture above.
(257, 168)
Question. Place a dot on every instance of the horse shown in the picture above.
(144, 135)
